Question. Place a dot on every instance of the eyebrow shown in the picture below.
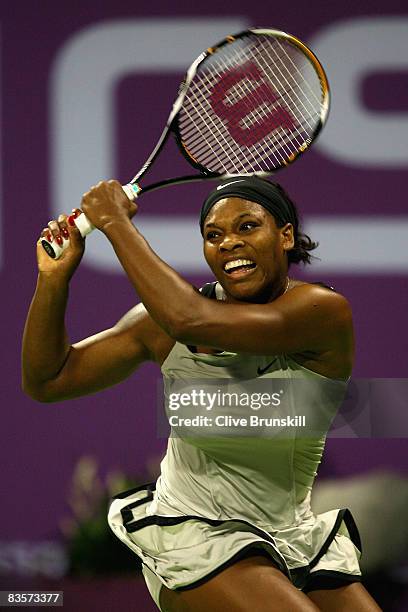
(245, 214)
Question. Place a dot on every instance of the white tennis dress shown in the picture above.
(216, 498)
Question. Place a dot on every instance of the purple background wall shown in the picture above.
(41, 443)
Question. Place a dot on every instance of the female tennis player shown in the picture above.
(228, 525)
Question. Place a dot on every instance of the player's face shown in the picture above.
(246, 250)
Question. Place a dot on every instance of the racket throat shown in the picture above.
(132, 190)
(160, 144)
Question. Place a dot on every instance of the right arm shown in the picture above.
(52, 368)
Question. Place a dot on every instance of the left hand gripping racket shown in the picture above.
(249, 105)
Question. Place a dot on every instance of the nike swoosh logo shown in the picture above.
(230, 183)
(263, 370)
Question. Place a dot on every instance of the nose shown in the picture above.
(231, 242)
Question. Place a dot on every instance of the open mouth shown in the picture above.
(239, 267)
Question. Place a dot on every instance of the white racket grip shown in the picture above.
(54, 250)
(85, 227)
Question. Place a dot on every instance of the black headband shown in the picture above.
(254, 189)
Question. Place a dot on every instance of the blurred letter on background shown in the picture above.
(352, 50)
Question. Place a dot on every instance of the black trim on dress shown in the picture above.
(249, 550)
(343, 515)
(323, 580)
(149, 486)
(300, 576)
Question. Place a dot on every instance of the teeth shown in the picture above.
(238, 262)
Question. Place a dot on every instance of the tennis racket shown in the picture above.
(249, 105)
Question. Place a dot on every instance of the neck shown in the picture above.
(281, 289)
(269, 295)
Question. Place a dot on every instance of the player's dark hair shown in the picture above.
(303, 243)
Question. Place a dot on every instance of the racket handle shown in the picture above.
(54, 250)
(85, 227)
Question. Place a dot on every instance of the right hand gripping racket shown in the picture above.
(249, 105)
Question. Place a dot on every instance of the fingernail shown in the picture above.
(71, 220)
(49, 237)
(59, 239)
(65, 232)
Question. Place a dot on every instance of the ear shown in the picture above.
(287, 237)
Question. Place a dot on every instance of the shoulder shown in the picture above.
(319, 295)
(309, 306)
(322, 318)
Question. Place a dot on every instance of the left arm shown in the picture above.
(304, 319)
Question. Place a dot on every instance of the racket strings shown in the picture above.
(253, 114)
(283, 46)
(262, 150)
(284, 91)
(299, 138)
(242, 160)
(196, 146)
(207, 80)
(198, 100)
(256, 129)
(194, 137)
(289, 86)
(277, 136)
(306, 82)
(200, 134)
(290, 74)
